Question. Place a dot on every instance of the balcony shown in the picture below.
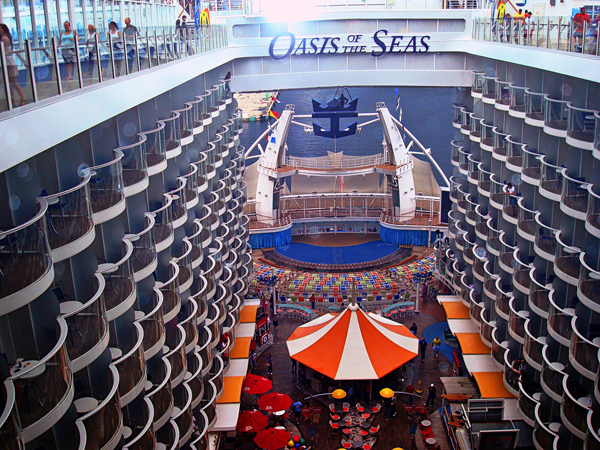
(532, 348)
(574, 411)
(487, 327)
(204, 349)
(531, 167)
(196, 240)
(175, 353)
(499, 144)
(153, 325)
(525, 221)
(493, 240)
(194, 381)
(497, 193)
(580, 127)
(488, 93)
(191, 187)
(202, 179)
(463, 161)
(559, 322)
(506, 259)
(197, 115)
(178, 204)
(172, 135)
(511, 376)
(69, 221)
(208, 404)
(487, 137)
(209, 220)
(170, 290)
(552, 377)
(489, 283)
(454, 189)
(592, 217)
(574, 198)
(185, 266)
(510, 211)
(465, 121)
(25, 258)
(544, 434)
(481, 228)
(186, 121)
(475, 128)
(216, 376)
(135, 167)
(521, 278)
(132, 369)
(9, 427)
(107, 189)
(514, 155)
(478, 264)
(190, 326)
(477, 85)
(161, 396)
(206, 108)
(484, 182)
(596, 143)
(503, 299)
(502, 95)
(555, 117)
(163, 224)
(516, 101)
(588, 288)
(104, 424)
(498, 350)
(211, 170)
(121, 290)
(47, 389)
(516, 324)
(142, 436)
(468, 252)
(215, 149)
(470, 215)
(144, 251)
(182, 415)
(592, 441)
(534, 108)
(156, 153)
(545, 243)
(583, 352)
(526, 405)
(473, 170)
(539, 301)
(566, 265)
(83, 349)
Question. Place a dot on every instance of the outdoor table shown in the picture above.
(342, 422)
(430, 442)
(365, 424)
(335, 417)
(363, 432)
(85, 404)
(357, 441)
(426, 423)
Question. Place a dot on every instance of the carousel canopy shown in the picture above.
(352, 345)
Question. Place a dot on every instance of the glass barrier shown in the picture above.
(533, 347)
(584, 351)
(465, 119)
(559, 319)
(575, 407)
(531, 163)
(555, 113)
(478, 80)
(155, 146)
(163, 221)
(185, 263)
(134, 162)
(551, 176)
(581, 123)
(191, 186)
(526, 403)
(503, 299)
(487, 135)
(161, 396)
(498, 350)
(120, 289)
(9, 422)
(502, 92)
(144, 246)
(513, 152)
(106, 184)
(540, 293)
(534, 105)
(176, 355)
(178, 204)
(596, 144)
(497, 191)
(526, 218)
(589, 282)
(567, 257)
(142, 436)
(475, 128)
(499, 142)
(171, 304)
(521, 274)
(516, 98)
(172, 131)
(545, 237)
(153, 325)
(456, 114)
(511, 375)
(132, 368)
(493, 237)
(484, 181)
(517, 320)
(574, 192)
(489, 87)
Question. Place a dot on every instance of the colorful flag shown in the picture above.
(273, 113)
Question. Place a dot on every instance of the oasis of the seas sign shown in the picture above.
(286, 44)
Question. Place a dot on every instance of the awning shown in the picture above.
(480, 363)
(471, 344)
(491, 385)
(462, 326)
(456, 310)
(228, 405)
(352, 345)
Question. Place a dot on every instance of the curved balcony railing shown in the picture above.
(153, 325)
(545, 243)
(204, 349)
(182, 414)
(9, 423)
(527, 404)
(191, 186)
(514, 154)
(526, 220)
(503, 299)
(190, 326)
(534, 108)
(531, 165)
(104, 424)
(484, 182)
(156, 152)
(202, 178)
(172, 135)
(161, 396)
(566, 263)
(477, 85)
(574, 197)
(493, 238)
(197, 114)
(216, 376)
(208, 403)
(454, 189)
(489, 282)
(592, 440)
(186, 122)
(461, 200)
(69, 221)
(506, 254)
(588, 288)
(552, 376)
(559, 321)
(498, 349)
(132, 369)
(82, 348)
(475, 127)
(532, 348)
(120, 291)
(50, 388)
(543, 436)
(487, 136)
(168, 435)
(502, 94)
(511, 375)
(509, 208)
(463, 160)
(215, 149)
(163, 224)
(583, 352)
(135, 166)
(196, 241)
(539, 300)
(488, 90)
(194, 381)
(516, 100)
(580, 126)
(555, 115)
(107, 189)
(26, 261)
(171, 304)
(142, 436)
(473, 169)
(465, 120)
(516, 324)
(185, 266)
(176, 355)
(144, 258)
(481, 223)
(200, 299)
(178, 205)
(499, 144)
(497, 193)
(592, 217)
(521, 278)
(574, 409)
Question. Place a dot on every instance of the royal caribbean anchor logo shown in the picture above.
(285, 44)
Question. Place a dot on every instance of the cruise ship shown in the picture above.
(124, 256)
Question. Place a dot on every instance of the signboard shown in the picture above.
(380, 43)
(264, 338)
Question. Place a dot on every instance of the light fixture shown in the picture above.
(386, 393)
(338, 394)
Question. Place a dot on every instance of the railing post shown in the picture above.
(111, 55)
(78, 61)
(137, 53)
(537, 32)
(56, 64)
(548, 33)
(98, 56)
(7, 91)
(583, 38)
(156, 49)
(31, 71)
(571, 37)
(125, 55)
(148, 54)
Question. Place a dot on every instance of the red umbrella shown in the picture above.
(272, 438)
(252, 421)
(254, 384)
(274, 401)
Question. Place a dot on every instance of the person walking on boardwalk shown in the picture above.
(422, 348)
(270, 364)
(436, 346)
(431, 396)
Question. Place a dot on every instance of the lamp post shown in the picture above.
(338, 394)
(389, 393)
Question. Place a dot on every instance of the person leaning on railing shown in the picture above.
(579, 20)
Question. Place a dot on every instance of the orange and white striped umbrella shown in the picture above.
(352, 345)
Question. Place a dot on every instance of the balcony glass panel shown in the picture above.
(155, 146)
(132, 365)
(574, 192)
(517, 320)
(178, 205)
(597, 132)
(475, 128)
(489, 87)
(106, 184)
(191, 187)
(142, 436)
(531, 164)
(521, 274)
(189, 325)
(497, 193)
(542, 435)
(186, 121)
(144, 249)
(560, 320)
(453, 188)
(555, 113)
(9, 422)
(517, 98)
(589, 280)
(484, 179)
(493, 240)
(185, 263)
(497, 349)
(163, 220)
(534, 105)
(545, 238)
(539, 295)
(509, 205)
(172, 131)
(24, 255)
(499, 142)
(502, 92)
(575, 409)
(170, 292)
(526, 218)
(176, 354)
(567, 257)
(134, 162)
(533, 347)
(161, 396)
(152, 323)
(487, 134)
(551, 377)
(581, 123)
(514, 152)
(526, 403)
(592, 218)
(463, 159)
(506, 251)
(503, 298)
(478, 80)
(511, 376)
(465, 119)
(583, 350)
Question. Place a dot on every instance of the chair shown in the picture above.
(376, 408)
(346, 406)
(374, 430)
(335, 428)
(360, 408)
(332, 408)
(346, 431)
